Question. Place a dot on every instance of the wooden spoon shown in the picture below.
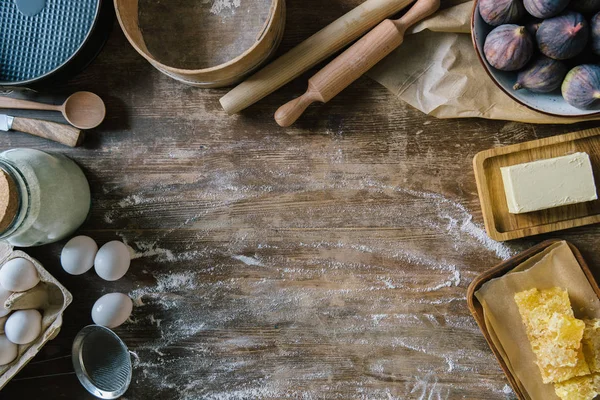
(83, 110)
(355, 61)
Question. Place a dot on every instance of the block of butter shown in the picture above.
(549, 183)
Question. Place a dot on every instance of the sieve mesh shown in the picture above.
(107, 364)
(102, 362)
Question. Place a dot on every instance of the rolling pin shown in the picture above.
(309, 53)
(355, 61)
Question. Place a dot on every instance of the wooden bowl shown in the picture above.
(205, 44)
(547, 103)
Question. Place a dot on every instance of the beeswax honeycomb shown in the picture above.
(591, 344)
(580, 388)
(554, 333)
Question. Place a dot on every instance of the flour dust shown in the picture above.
(248, 316)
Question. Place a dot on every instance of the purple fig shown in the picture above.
(586, 6)
(542, 75)
(500, 12)
(508, 47)
(563, 37)
(545, 8)
(581, 87)
(595, 25)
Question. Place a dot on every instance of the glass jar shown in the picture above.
(47, 197)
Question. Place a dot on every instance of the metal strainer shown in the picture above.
(102, 362)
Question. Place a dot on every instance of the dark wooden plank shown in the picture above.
(328, 260)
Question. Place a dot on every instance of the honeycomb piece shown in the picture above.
(554, 333)
(581, 388)
(554, 373)
(591, 344)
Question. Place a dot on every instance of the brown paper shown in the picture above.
(556, 266)
(437, 71)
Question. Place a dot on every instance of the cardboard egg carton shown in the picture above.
(49, 297)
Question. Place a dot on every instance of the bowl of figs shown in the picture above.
(545, 54)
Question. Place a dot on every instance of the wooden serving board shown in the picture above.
(501, 269)
(499, 223)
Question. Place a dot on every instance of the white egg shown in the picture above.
(18, 275)
(112, 261)
(112, 309)
(4, 294)
(23, 326)
(8, 350)
(77, 257)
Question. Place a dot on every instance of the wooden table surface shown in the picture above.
(329, 260)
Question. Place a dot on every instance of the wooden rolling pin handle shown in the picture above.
(289, 113)
(359, 58)
(8, 102)
(343, 70)
(310, 52)
(60, 133)
(418, 12)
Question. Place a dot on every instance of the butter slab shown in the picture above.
(549, 183)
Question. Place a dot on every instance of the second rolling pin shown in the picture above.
(310, 52)
(355, 61)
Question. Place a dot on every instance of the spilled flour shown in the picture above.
(219, 6)
(294, 288)
(268, 312)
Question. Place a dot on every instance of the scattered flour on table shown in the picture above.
(248, 260)
(219, 6)
(200, 319)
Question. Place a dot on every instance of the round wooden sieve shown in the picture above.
(206, 43)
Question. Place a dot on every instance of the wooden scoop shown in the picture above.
(83, 110)
(355, 61)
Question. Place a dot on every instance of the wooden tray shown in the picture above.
(501, 269)
(499, 223)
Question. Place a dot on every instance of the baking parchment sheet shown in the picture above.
(436, 70)
(556, 266)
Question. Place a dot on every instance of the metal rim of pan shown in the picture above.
(67, 60)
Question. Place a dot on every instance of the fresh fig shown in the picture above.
(581, 87)
(595, 25)
(500, 12)
(542, 75)
(545, 8)
(586, 6)
(508, 47)
(564, 36)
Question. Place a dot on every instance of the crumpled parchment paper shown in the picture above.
(436, 70)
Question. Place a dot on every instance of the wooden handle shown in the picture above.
(60, 133)
(7, 102)
(289, 113)
(358, 59)
(419, 11)
(309, 53)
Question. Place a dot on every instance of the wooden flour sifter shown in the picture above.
(355, 61)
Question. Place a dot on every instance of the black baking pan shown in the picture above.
(53, 44)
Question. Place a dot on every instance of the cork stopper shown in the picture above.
(9, 200)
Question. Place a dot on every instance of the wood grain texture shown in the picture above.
(361, 226)
(500, 270)
(500, 223)
(60, 133)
